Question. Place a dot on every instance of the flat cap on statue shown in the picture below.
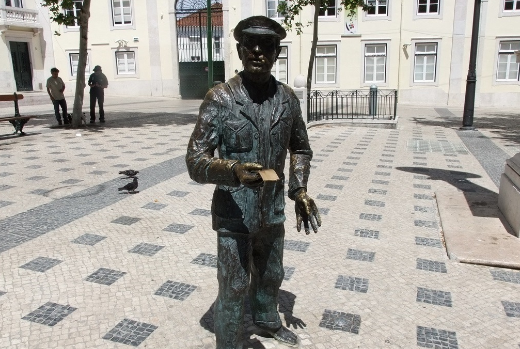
(259, 25)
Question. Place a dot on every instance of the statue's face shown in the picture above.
(258, 53)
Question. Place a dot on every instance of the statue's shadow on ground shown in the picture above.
(286, 301)
(481, 201)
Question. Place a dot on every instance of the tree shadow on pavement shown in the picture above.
(286, 301)
(481, 201)
(503, 126)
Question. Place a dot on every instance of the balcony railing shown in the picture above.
(20, 17)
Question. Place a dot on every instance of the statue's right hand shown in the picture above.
(248, 175)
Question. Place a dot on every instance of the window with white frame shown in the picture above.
(14, 3)
(330, 11)
(508, 64)
(125, 62)
(375, 63)
(511, 5)
(75, 11)
(326, 64)
(280, 68)
(377, 7)
(272, 8)
(73, 62)
(427, 7)
(425, 67)
(121, 12)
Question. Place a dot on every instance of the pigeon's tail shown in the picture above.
(123, 188)
(121, 172)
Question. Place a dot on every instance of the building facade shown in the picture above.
(418, 47)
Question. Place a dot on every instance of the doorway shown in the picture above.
(21, 65)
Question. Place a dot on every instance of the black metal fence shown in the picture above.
(354, 104)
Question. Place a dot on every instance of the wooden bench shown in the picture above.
(17, 120)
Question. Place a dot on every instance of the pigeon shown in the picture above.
(130, 187)
(129, 173)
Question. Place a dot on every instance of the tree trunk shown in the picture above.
(77, 112)
(317, 5)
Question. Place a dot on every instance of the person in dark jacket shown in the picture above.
(252, 120)
(98, 82)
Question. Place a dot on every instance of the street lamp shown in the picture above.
(471, 81)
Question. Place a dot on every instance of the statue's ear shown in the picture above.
(239, 51)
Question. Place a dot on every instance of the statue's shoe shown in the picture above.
(284, 336)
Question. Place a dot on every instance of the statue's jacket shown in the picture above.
(229, 124)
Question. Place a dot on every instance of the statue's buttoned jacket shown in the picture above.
(232, 125)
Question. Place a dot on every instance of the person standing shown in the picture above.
(55, 88)
(253, 120)
(98, 83)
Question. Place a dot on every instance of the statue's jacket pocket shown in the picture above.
(238, 135)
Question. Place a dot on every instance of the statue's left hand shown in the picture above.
(306, 211)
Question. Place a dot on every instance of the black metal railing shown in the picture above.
(353, 104)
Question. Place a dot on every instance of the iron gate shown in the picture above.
(192, 47)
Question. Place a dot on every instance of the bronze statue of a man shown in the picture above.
(252, 120)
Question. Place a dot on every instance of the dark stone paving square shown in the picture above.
(41, 264)
(36, 178)
(175, 290)
(39, 191)
(340, 178)
(178, 228)
(89, 163)
(327, 150)
(179, 194)
(334, 186)
(359, 255)
(327, 197)
(288, 273)
(422, 209)
(506, 276)
(5, 203)
(111, 157)
(377, 173)
(357, 152)
(130, 332)
(34, 167)
(512, 309)
(344, 169)
(389, 150)
(140, 159)
(2, 293)
(295, 245)
(451, 160)
(84, 155)
(423, 196)
(454, 166)
(209, 260)
(415, 163)
(386, 161)
(336, 320)
(317, 160)
(200, 212)
(422, 186)
(154, 206)
(88, 239)
(377, 191)
(121, 165)
(435, 297)
(322, 155)
(374, 203)
(426, 224)
(97, 173)
(352, 283)
(71, 181)
(49, 314)
(420, 158)
(384, 166)
(323, 211)
(60, 160)
(370, 216)
(367, 233)
(105, 276)
(353, 157)
(5, 187)
(379, 181)
(146, 249)
(65, 169)
(30, 158)
(421, 177)
(125, 220)
(428, 265)
(348, 163)
(388, 155)
(428, 337)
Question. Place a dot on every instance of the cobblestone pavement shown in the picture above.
(84, 265)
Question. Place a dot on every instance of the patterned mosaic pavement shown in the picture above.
(84, 265)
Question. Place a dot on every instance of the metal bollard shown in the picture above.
(372, 101)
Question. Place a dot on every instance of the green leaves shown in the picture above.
(58, 11)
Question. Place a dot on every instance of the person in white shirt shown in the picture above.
(55, 88)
